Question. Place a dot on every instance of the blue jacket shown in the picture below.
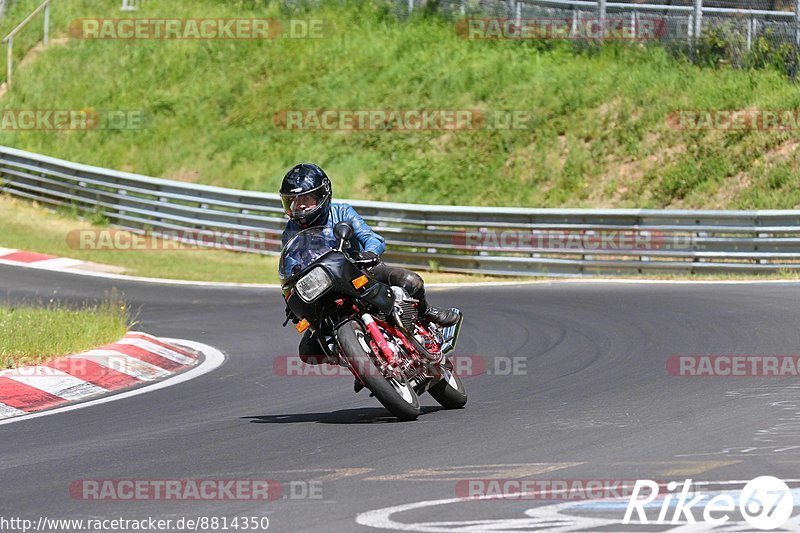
(368, 240)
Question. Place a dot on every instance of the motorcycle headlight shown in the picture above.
(310, 286)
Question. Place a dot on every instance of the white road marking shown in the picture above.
(139, 279)
(458, 473)
(7, 410)
(327, 475)
(693, 468)
(547, 518)
(221, 284)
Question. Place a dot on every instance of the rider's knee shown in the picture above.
(310, 351)
(413, 282)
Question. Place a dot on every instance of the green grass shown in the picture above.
(30, 335)
(598, 135)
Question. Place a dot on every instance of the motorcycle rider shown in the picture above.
(306, 194)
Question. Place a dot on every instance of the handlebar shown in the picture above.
(366, 263)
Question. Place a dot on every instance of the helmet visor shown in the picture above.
(304, 203)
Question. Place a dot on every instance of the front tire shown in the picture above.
(395, 394)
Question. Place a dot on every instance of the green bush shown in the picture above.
(769, 50)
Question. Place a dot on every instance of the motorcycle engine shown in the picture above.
(406, 307)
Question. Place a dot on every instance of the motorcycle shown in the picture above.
(369, 327)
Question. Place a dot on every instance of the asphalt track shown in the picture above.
(594, 402)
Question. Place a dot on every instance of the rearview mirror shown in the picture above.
(343, 231)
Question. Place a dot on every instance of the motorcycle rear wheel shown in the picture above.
(450, 391)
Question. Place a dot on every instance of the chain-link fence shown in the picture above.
(727, 29)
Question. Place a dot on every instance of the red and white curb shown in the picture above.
(10, 256)
(42, 260)
(134, 360)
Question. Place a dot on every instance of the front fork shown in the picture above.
(380, 340)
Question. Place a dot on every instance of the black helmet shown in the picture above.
(306, 195)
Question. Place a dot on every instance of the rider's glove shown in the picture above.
(290, 316)
(368, 258)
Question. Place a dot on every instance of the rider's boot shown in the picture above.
(443, 317)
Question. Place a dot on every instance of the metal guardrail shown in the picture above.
(504, 241)
(685, 21)
(44, 6)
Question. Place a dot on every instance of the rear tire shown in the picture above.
(395, 395)
(450, 391)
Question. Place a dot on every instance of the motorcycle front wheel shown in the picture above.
(394, 393)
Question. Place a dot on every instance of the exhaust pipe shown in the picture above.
(450, 334)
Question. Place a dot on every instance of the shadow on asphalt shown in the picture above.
(369, 415)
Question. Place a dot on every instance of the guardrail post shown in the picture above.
(797, 22)
(10, 66)
(698, 19)
(44, 6)
(749, 33)
(755, 27)
(601, 13)
(46, 24)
